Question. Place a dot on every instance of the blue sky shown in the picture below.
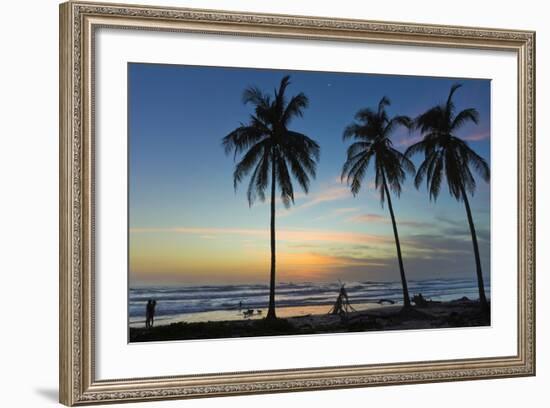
(188, 225)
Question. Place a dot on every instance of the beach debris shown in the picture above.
(251, 312)
(421, 301)
(342, 306)
(463, 299)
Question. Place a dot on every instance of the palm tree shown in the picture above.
(271, 153)
(372, 134)
(446, 155)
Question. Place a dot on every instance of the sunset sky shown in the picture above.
(189, 226)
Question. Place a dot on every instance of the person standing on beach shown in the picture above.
(153, 305)
(148, 314)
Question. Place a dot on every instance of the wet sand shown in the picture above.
(232, 315)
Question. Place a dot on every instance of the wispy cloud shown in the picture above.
(376, 218)
(331, 193)
(346, 210)
(337, 213)
(441, 243)
(449, 221)
(408, 140)
(282, 235)
(459, 228)
(368, 218)
(476, 137)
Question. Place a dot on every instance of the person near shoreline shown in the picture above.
(150, 313)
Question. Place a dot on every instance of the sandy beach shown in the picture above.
(315, 320)
(235, 315)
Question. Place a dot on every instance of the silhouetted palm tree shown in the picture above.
(372, 133)
(448, 156)
(271, 153)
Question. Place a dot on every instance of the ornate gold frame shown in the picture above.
(78, 21)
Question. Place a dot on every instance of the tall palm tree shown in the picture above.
(372, 134)
(448, 156)
(271, 153)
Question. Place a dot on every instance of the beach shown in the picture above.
(461, 312)
(202, 303)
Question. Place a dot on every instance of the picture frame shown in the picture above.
(79, 24)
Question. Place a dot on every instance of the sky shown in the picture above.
(188, 225)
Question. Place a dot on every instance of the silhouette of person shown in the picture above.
(148, 309)
(153, 305)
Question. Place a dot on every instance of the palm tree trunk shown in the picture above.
(480, 285)
(271, 309)
(406, 298)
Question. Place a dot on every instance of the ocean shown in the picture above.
(221, 302)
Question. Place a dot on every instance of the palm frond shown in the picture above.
(418, 147)
(295, 107)
(351, 162)
(480, 165)
(254, 96)
(385, 101)
(404, 121)
(366, 115)
(280, 99)
(263, 178)
(356, 131)
(464, 116)
(449, 105)
(435, 175)
(357, 174)
(405, 163)
(423, 170)
(430, 120)
(445, 155)
(373, 139)
(358, 147)
(253, 189)
(267, 145)
(284, 182)
(245, 165)
(241, 139)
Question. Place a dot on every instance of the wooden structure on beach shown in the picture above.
(342, 306)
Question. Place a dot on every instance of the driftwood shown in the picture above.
(342, 306)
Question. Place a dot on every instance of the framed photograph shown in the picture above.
(258, 203)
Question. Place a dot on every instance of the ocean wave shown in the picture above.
(176, 300)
